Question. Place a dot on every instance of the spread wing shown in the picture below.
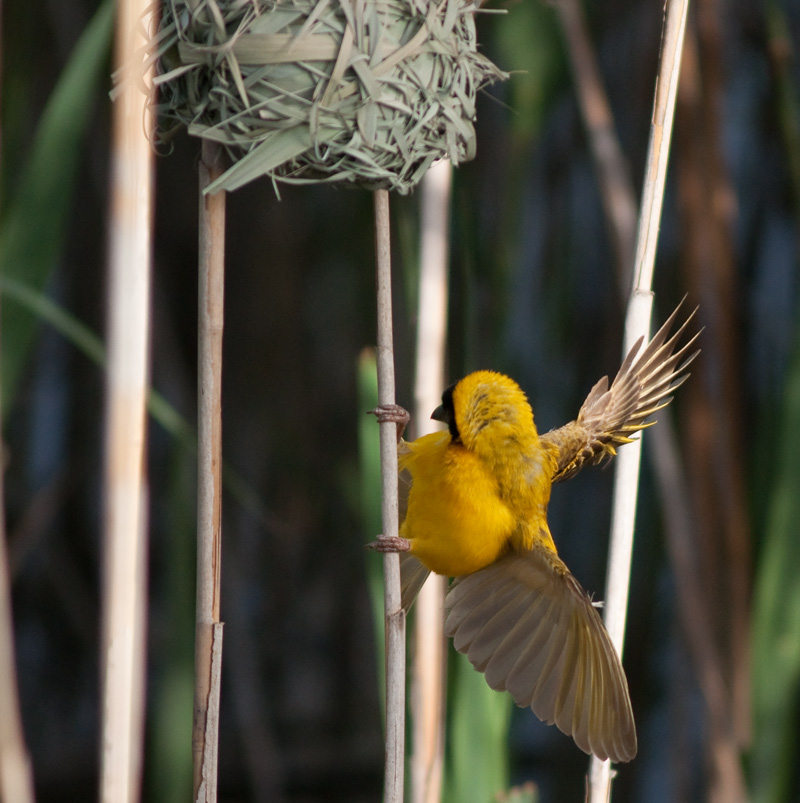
(528, 625)
(610, 415)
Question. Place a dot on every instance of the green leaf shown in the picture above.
(776, 616)
(370, 486)
(477, 762)
(530, 41)
(32, 231)
(169, 754)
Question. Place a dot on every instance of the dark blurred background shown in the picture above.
(534, 293)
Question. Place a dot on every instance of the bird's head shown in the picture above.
(487, 412)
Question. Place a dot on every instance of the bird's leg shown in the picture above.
(392, 413)
(390, 543)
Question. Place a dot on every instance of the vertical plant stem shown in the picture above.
(208, 628)
(125, 547)
(428, 683)
(395, 616)
(727, 779)
(637, 323)
(16, 774)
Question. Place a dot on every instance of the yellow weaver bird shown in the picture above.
(474, 507)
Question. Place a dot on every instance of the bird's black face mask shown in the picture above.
(446, 413)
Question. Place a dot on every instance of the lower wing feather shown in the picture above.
(527, 623)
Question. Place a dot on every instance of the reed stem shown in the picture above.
(637, 323)
(395, 616)
(429, 664)
(16, 773)
(208, 627)
(124, 611)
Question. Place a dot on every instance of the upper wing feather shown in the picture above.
(528, 625)
(610, 415)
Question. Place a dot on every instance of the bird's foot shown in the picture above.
(390, 543)
(392, 414)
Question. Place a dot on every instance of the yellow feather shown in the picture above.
(469, 526)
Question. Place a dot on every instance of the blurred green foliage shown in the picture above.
(528, 40)
(776, 616)
(530, 276)
(34, 219)
(477, 763)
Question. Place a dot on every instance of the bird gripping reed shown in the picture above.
(367, 92)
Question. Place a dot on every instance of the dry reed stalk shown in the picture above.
(428, 669)
(208, 628)
(637, 323)
(728, 784)
(16, 773)
(395, 616)
(125, 530)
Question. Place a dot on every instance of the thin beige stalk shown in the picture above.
(395, 617)
(16, 773)
(637, 323)
(125, 525)
(208, 628)
(428, 668)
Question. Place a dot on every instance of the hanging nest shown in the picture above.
(369, 92)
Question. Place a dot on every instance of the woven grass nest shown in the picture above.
(369, 92)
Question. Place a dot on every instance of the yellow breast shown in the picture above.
(455, 520)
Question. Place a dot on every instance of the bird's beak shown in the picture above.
(439, 414)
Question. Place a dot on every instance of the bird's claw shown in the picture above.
(392, 414)
(390, 543)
